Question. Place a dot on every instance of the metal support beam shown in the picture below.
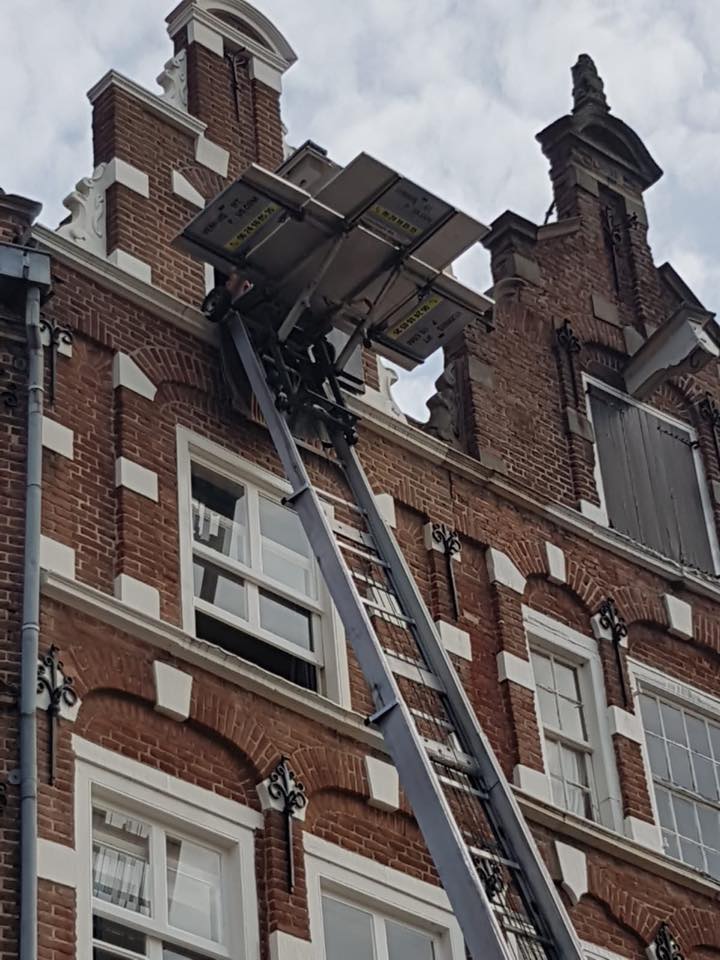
(444, 840)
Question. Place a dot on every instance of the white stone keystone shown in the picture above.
(679, 615)
(573, 870)
(556, 563)
(126, 373)
(502, 570)
(173, 689)
(384, 784)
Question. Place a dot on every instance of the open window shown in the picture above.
(251, 584)
(650, 478)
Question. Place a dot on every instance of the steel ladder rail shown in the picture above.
(459, 876)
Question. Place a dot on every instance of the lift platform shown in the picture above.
(367, 254)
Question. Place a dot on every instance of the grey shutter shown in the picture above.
(687, 523)
(651, 486)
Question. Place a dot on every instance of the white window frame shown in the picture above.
(330, 654)
(601, 513)
(180, 808)
(546, 634)
(647, 679)
(361, 882)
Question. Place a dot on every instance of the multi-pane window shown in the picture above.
(156, 894)
(651, 479)
(684, 755)
(355, 933)
(256, 582)
(568, 751)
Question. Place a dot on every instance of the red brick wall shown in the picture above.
(234, 737)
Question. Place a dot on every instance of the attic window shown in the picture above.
(242, 26)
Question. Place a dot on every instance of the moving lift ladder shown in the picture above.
(487, 861)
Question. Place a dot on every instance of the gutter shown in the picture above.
(24, 279)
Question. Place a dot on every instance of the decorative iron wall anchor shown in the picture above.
(57, 335)
(570, 344)
(8, 386)
(450, 540)
(616, 231)
(666, 946)
(611, 620)
(709, 411)
(285, 787)
(59, 688)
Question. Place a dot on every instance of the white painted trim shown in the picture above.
(594, 951)
(182, 187)
(533, 782)
(515, 669)
(502, 570)
(131, 264)
(573, 869)
(124, 173)
(455, 640)
(141, 596)
(191, 447)
(332, 869)
(645, 833)
(151, 101)
(180, 806)
(592, 511)
(212, 156)
(557, 572)
(111, 768)
(386, 506)
(384, 784)
(265, 73)
(284, 946)
(158, 303)
(133, 476)
(57, 557)
(206, 37)
(57, 438)
(545, 632)
(680, 616)
(173, 690)
(622, 723)
(57, 863)
(126, 373)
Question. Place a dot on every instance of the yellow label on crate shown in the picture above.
(395, 221)
(412, 318)
(258, 221)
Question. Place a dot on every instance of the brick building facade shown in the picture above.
(574, 449)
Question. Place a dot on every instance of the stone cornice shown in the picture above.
(122, 283)
(151, 101)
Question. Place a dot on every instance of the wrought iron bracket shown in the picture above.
(8, 385)
(709, 411)
(57, 335)
(568, 341)
(614, 231)
(59, 688)
(285, 787)
(611, 620)
(449, 539)
(666, 946)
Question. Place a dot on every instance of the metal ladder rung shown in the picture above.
(398, 619)
(412, 670)
(462, 787)
(447, 757)
(492, 857)
(363, 554)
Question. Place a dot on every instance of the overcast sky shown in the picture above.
(451, 92)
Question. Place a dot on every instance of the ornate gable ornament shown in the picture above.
(592, 128)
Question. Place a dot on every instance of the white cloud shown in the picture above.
(450, 91)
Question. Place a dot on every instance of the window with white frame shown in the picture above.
(252, 585)
(158, 885)
(683, 753)
(650, 478)
(571, 711)
(568, 750)
(361, 910)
